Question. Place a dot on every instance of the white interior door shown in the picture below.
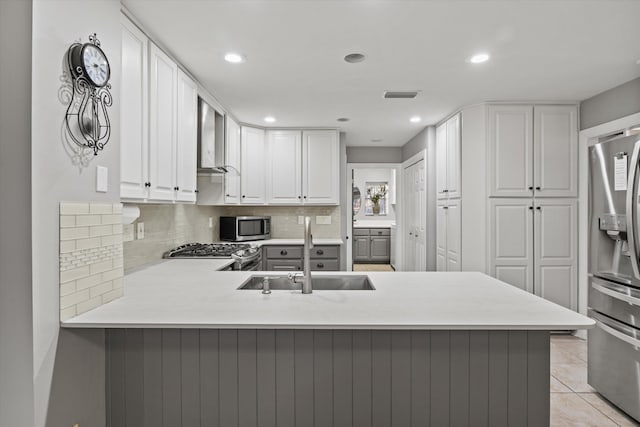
(415, 217)
(409, 253)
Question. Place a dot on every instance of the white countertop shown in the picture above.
(372, 223)
(191, 294)
(272, 242)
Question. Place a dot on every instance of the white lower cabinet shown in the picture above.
(448, 236)
(533, 246)
(555, 251)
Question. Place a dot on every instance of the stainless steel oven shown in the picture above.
(245, 228)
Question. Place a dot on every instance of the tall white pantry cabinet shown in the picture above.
(519, 173)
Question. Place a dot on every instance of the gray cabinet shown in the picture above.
(372, 245)
(290, 258)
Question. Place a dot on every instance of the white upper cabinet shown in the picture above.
(253, 170)
(320, 166)
(555, 157)
(162, 125)
(284, 167)
(555, 251)
(232, 158)
(448, 158)
(453, 156)
(134, 141)
(533, 150)
(510, 134)
(441, 161)
(187, 141)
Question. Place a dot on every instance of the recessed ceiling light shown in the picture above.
(270, 119)
(479, 58)
(234, 58)
(352, 58)
(342, 119)
(415, 119)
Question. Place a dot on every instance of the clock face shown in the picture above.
(95, 64)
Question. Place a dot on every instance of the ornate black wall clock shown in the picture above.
(87, 119)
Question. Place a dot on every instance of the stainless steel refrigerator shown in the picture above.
(614, 270)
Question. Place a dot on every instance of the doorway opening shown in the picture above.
(373, 220)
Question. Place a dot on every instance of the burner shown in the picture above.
(210, 250)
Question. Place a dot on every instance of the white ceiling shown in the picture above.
(540, 50)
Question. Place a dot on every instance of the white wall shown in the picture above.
(360, 179)
(16, 338)
(73, 385)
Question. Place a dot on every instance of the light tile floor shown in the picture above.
(372, 267)
(573, 401)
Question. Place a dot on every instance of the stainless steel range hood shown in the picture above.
(210, 140)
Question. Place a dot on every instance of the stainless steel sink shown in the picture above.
(320, 283)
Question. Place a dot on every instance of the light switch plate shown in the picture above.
(323, 219)
(102, 179)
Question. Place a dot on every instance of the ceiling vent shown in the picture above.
(389, 94)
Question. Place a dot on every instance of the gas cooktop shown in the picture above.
(205, 250)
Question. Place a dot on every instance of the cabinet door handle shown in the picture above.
(243, 196)
(379, 232)
(305, 197)
(531, 188)
(299, 197)
(227, 195)
(539, 208)
(445, 191)
(283, 252)
(320, 252)
(530, 208)
(538, 188)
(320, 265)
(195, 191)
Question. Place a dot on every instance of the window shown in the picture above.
(376, 201)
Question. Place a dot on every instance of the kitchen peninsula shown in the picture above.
(185, 344)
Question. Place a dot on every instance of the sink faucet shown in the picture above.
(306, 266)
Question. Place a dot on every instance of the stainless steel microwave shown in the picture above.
(243, 228)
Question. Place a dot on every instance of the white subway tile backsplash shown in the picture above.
(91, 243)
(73, 274)
(74, 233)
(100, 208)
(87, 282)
(72, 208)
(111, 295)
(74, 298)
(89, 304)
(101, 230)
(100, 289)
(91, 263)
